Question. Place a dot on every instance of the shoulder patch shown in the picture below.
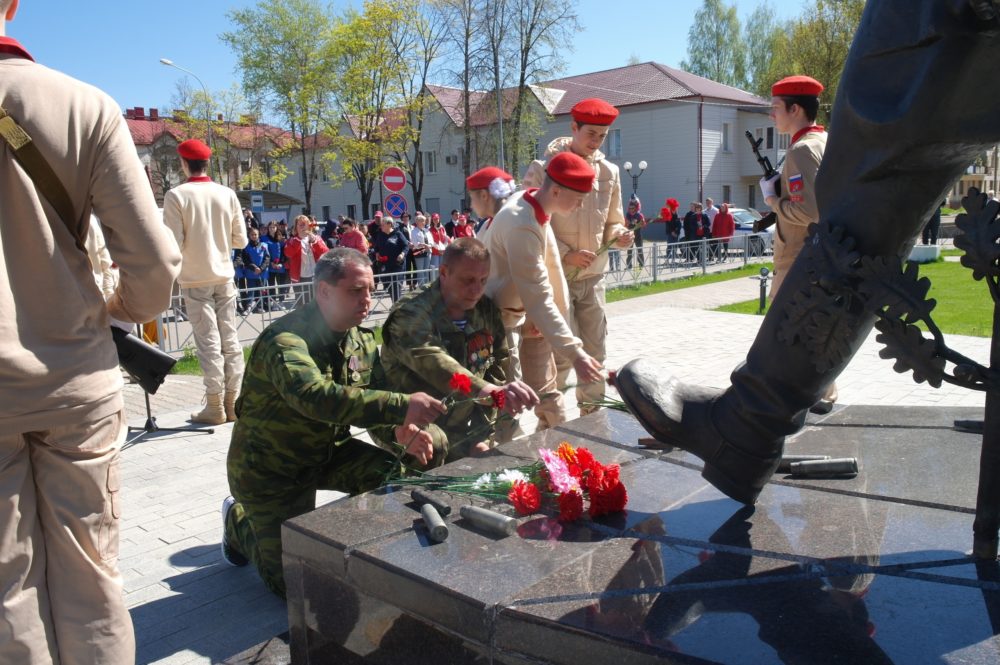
(795, 183)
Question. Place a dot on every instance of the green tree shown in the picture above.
(373, 126)
(460, 18)
(542, 29)
(827, 30)
(419, 44)
(284, 54)
(766, 42)
(715, 47)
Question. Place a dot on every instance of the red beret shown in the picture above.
(482, 178)
(594, 111)
(571, 171)
(797, 86)
(194, 149)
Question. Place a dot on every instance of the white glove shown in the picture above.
(123, 325)
(767, 186)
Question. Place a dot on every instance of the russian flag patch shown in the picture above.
(795, 183)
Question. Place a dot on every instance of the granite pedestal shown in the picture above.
(871, 569)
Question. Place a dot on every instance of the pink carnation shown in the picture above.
(559, 476)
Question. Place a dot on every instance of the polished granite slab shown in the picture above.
(869, 569)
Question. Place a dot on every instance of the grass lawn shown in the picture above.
(964, 306)
(626, 292)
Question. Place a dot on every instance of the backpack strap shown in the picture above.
(46, 181)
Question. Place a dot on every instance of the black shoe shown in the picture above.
(686, 417)
(822, 407)
(229, 553)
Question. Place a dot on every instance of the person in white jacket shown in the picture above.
(206, 219)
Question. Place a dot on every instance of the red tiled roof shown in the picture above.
(622, 86)
(642, 83)
(147, 132)
(450, 100)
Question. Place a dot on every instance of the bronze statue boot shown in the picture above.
(690, 417)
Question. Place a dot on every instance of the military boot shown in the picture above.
(893, 154)
(213, 413)
(229, 402)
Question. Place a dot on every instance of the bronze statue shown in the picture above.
(915, 107)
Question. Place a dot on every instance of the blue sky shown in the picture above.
(116, 45)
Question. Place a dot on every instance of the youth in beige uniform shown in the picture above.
(526, 282)
(62, 421)
(206, 219)
(793, 109)
(581, 233)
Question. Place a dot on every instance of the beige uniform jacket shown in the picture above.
(597, 221)
(526, 276)
(207, 222)
(797, 206)
(57, 360)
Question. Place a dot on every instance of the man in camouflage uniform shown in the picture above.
(307, 381)
(451, 328)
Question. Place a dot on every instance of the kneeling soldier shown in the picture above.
(451, 328)
(307, 381)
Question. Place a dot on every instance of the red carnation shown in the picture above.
(585, 459)
(461, 383)
(570, 506)
(525, 497)
(499, 398)
(382, 259)
(610, 500)
(602, 478)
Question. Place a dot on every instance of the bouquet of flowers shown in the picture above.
(565, 479)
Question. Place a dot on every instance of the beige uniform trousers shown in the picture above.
(212, 312)
(59, 519)
(589, 323)
(531, 360)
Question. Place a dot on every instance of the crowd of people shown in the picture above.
(273, 271)
(706, 222)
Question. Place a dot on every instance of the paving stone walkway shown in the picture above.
(189, 607)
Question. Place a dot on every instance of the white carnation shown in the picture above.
(511, 476)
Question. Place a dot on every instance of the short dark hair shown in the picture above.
(454, 211)
(331, 266)
(809, 104)
(465, 248)
(197, 166)
(348, 222)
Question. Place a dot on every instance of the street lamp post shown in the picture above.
(635, 176)
(208, 108)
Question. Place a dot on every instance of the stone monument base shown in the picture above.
(870, 569)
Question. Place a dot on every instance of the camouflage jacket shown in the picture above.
(422, 348)
(304, 385)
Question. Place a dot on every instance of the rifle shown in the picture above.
(769, 172)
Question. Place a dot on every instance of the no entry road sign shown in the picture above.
(394, 179)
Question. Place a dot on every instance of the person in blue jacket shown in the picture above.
(256, 261)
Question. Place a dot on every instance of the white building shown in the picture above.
(688, 129)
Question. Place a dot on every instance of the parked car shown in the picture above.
(744, 239)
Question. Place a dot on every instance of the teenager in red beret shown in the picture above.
(586, 233)
(794, 105)
(527, 283)
(207, 221)
(489, 188)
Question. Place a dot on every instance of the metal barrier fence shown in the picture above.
(258, 307)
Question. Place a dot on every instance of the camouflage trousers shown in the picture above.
(269, 490)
